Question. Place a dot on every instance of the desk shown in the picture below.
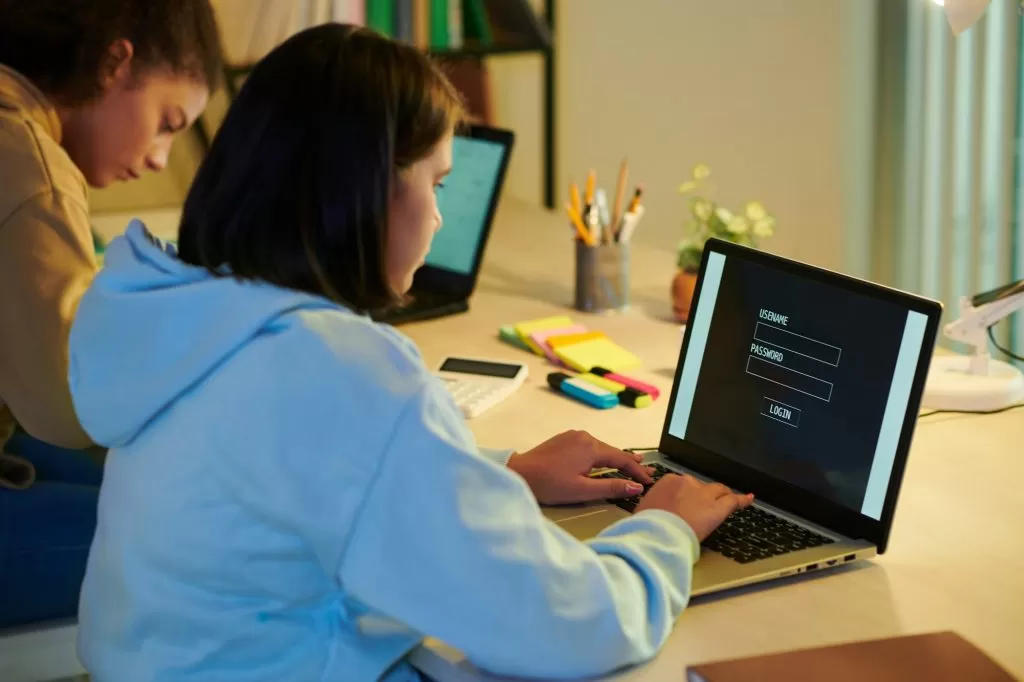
(956, 558)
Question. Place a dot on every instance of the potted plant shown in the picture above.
(709, 219)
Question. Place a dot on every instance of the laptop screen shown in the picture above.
(802, 379)
(464, 202)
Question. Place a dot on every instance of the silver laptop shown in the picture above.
(801, 386)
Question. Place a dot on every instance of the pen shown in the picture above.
(593, 224)
(620, 195)
(581, 230)
(582, 391)
(629, 223)
(603, 217)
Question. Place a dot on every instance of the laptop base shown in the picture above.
(416, 313)
(715, 572)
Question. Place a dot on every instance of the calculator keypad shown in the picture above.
(473, 398)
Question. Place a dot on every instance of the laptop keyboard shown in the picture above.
(747, 535)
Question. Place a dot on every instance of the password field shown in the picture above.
(789, 378)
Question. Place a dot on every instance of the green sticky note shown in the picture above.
(508, 334)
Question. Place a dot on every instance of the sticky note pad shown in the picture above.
(597, 353)
(507, 333)
(524, 329)
(569, 339)
(540, 338)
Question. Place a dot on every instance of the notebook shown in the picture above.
(936, 657)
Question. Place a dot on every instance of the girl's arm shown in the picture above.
(456, 547)
(46, 264)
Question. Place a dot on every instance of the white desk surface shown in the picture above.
(956, 555)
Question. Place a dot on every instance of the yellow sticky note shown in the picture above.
(524, 329)
(604, 353)
(569, 339)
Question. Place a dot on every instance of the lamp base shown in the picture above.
(952, 387)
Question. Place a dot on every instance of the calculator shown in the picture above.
(477, 384)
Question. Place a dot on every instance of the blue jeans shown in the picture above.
(45, 532)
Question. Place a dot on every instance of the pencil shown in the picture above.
(574, 196)
(581, 231)
(591, 186)
(635, 203)
(620, 196)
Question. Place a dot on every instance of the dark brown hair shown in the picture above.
(295, 188)
(61, 45)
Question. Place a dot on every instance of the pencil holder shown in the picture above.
(602, 276)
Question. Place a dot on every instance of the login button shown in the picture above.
(780, 412)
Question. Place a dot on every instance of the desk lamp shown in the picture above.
(962, 14)
(977, 382)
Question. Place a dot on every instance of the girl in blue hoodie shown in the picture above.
(289, 494)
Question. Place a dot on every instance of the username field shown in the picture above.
(797, 343)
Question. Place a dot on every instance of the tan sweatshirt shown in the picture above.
(47, 261)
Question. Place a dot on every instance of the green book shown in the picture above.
(380, 16)
(439, 38)
(476, 26)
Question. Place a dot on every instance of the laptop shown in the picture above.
(799, 385)
(467, 203)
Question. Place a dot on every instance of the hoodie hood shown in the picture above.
(151, 326)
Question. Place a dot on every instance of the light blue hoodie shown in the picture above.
(291, 496)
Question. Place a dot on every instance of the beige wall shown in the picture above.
(771, 94)
(776, 95)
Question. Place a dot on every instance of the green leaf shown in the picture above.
(689, 257)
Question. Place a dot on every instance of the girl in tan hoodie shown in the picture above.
(91, 92)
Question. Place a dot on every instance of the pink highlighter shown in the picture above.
(627, 381)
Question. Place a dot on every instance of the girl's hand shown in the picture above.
(557, 470)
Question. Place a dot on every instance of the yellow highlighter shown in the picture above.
(627, 396)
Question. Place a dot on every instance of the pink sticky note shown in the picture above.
(541, 337)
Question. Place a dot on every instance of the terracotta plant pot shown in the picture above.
(683, 285)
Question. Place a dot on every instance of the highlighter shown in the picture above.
(627, 381)
(630, 397)
(582, 391)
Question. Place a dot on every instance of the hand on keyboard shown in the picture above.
(702, 505)
(747, 534)
(557, 470)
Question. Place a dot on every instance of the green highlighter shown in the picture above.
(507, 333)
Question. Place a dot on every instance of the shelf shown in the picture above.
(526, 33)
(465, 52)
(489, 51)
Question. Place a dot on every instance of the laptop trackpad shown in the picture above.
(585, 521)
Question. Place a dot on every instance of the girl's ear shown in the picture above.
(116, 66)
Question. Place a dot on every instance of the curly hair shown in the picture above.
(60, 45)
